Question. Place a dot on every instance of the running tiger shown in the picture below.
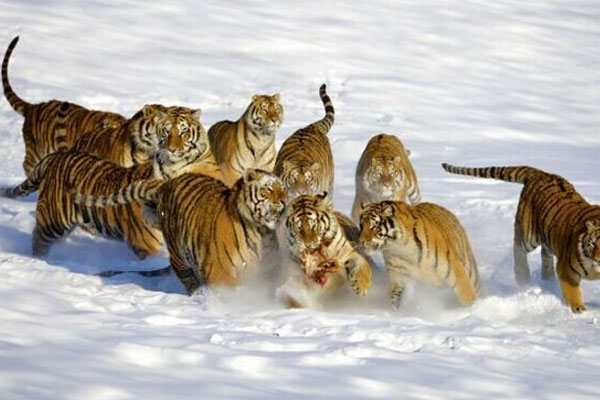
(59, 174)
(424, 242)
(318, 246)
(43, 134)
(250, 141)
(551, 214)
(215, 235)
(304, 162)
(384, 172)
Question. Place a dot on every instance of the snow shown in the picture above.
(467, 82)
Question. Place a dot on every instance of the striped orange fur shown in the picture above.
(384, 172)
(304, 161)
(248, 142)
(424, 242)
(553, 215)
(52, 125)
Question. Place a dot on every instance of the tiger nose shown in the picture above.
(174, 143)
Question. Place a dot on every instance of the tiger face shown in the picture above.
(264, 197)
(300, 179)
(378, 225)
(180, 134)
(589, 245)
(265, 114)
(385, 178)
(309, 223)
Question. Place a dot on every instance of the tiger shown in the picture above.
(425, 242)
(384, 172)
(318, 246)
(304, 161)
(553, 215)
(215, 234)
(43, 134)
(137, 140)
(248, 142)
(58, 174)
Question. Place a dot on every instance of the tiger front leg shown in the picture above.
(359, 274)
(396, 287)
(571, 290)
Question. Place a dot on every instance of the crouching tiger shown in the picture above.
(318, 249)
(424, 242)
(551, 214)
(215, 234)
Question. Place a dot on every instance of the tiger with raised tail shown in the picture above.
(384, 172)
(58, 174)
(318, 246)
(551, 214)
(53, 125)
(424, 242)
(215, 235)
(248, 142)
(304, 161)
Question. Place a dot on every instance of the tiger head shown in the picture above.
(180, 134)
(379, 224)
(300, 179)
(385, 179)
(264, 114)
(263, 197)
(589, 243)
(310, 223)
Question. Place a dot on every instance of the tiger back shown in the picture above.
(305, 161)
(384, 172)
(424, 242)
(53, 125)
(248, 142)
(553, 215)
(319, 252)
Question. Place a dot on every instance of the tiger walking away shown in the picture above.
(248, 142)
(304, 161)
(553, 215)
(215, 234)
(52, 125)
(424, 242)
(384, 172)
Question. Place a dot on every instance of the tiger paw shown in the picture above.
(577, 309)
(359, 277)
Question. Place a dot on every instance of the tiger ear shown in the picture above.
(363, 205)
(149, 110)
(276, 97)
(408, 152)
(255, 97)
(287, 166)
(591, 225)
(323, 195)
(250, 175)
(196, 114)
(387, 211)
(316, 166)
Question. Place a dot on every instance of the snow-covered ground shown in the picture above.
(470, 82)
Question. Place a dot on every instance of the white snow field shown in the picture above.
(474, 82)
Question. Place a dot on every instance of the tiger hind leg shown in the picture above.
(547, 263)
(186, 275)
(463, 288)
(45, 236)
(520, 250)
